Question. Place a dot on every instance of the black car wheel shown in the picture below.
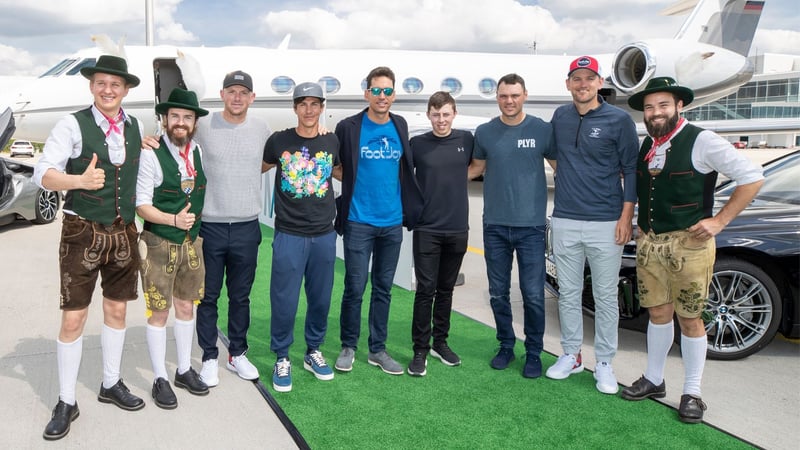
(46, 206)
(745, 309)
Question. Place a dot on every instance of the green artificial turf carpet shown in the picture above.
(470, 406)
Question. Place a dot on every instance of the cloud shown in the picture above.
(167, 29)
(776, 41)
(504, 25)
(15, 61)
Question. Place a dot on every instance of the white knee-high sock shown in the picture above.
(68, 356)
(112, 341)
(184, 333)
(659, 341)
(157, 345)
(693, 350)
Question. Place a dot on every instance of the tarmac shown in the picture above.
(234, 414)
(755, 399)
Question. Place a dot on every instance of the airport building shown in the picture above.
(764, 112)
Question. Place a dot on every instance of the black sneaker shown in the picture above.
(120, 395)
(163, 395)
(190, 380)
(63, 415)
(503, 358)
(643, 388)
(417, 366)
(533, 367)
(445, 354)
(691, 409)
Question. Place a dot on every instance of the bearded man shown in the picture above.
(170, 191)
(677, 171)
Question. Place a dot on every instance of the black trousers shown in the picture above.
(437, 260)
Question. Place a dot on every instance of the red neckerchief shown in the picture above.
(658, 142)
(112, 123)
(185, 155)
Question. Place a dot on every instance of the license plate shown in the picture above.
(550, 268)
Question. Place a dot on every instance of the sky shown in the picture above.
(36, 35)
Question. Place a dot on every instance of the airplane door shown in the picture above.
(167, 77)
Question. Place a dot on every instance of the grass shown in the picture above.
(468, 406)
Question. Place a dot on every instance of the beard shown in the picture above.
(664, 129)
(179, 141)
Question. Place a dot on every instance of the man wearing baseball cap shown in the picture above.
(677, 170)
(592, 216)
(304, 246)
(93, 154)
(169, 197)
(232, 143)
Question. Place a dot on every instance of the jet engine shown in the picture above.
(712, 72)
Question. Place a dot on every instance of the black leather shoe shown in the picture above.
(63, 415)
(190, 381)
(120, 395)
(643, 388)
(163, 395)
(533, 367)
(691, 409)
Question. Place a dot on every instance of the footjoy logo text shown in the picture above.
(382, 148)
(387, 153)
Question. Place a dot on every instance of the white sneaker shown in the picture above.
(565, 366)
(209, 374)
(606, 381)
(244, 368)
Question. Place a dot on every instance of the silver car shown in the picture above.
(20, 197)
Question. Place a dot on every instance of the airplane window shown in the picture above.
(58, 68)
(487, 87)
(282, 84)
(412, 85)
(88, 62)
(330, 84)
(451, 85)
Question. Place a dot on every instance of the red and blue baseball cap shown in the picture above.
(585, 62)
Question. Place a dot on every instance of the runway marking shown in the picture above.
(791, 340)
(477, 251)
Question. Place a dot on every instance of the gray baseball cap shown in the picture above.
(308, 90)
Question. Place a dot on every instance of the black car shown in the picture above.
(754, 290)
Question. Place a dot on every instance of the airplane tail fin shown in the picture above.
(729, 24)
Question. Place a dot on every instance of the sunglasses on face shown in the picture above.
(376, 91)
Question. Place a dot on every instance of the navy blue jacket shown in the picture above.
(348, 130)
(594, 151)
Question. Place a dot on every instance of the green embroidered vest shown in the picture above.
(169, 198)
(679, 196)
(117, 197)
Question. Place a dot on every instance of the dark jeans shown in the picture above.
(230, 251)
(295, 259)
(360, 242)
(500, 243)
(437, 260)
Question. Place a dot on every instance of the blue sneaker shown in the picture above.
(282, 375)
(315, 363)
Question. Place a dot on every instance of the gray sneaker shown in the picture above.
(385, 362)
(344, 363)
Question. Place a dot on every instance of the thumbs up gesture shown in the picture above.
(93, 178)
(184, 220)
